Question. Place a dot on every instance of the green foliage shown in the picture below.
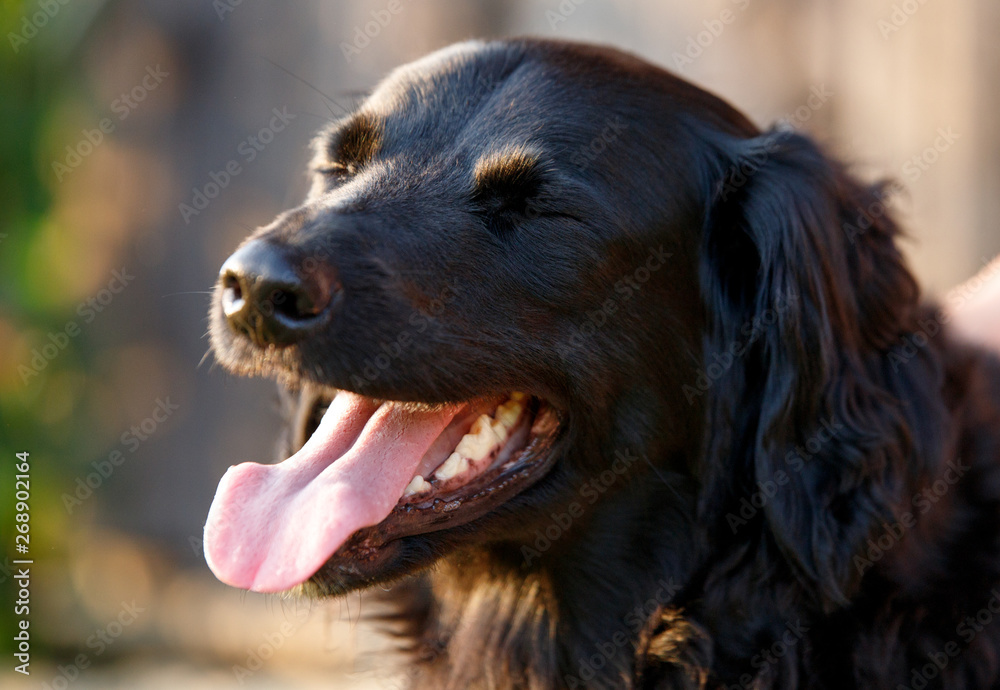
(32, 83)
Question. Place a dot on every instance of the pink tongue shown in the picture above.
(271, 527)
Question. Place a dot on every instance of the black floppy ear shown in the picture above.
(802, 428)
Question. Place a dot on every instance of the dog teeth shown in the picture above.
(500, 431)
(480, 427)
(417, 485)
(480, 440)
(508, 413)
(452, 467)
(485, 435)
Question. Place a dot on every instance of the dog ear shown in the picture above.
(804, 438)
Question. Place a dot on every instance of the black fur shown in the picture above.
(755, 403)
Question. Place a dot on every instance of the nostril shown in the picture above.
(232, 294)
(294, 304)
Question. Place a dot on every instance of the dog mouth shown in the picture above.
(371, 473)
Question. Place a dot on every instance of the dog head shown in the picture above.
(516, 263)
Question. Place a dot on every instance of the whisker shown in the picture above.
(327, 99)
(203, 358)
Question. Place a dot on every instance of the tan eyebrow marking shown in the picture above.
(352, 142)
(513, 168)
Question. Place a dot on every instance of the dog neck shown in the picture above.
(497, 617)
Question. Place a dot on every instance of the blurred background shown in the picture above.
(119, 125)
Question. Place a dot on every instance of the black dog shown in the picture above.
(666, 411)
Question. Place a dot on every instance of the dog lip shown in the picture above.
(456, 507)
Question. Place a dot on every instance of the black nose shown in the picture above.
(273, 299)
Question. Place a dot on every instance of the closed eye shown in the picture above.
(336, 170)
(505, 188)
